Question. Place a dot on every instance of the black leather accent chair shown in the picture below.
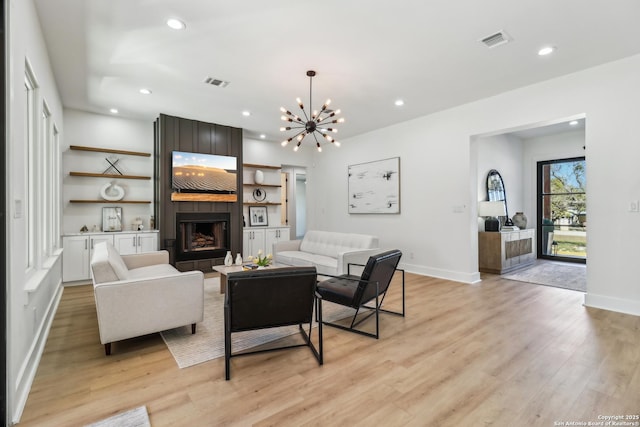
(370, 287)
(269, 298)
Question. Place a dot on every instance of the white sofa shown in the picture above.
(142, 293)
(330, 252)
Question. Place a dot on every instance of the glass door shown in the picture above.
(562, 210)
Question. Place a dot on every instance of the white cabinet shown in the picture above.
(274, 235)
(263, 239)
(76, 256)
(135, 243)
(78, 249)
(252, 242)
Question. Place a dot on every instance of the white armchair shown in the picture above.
(142, 293)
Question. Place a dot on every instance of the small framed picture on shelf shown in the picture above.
(111, 219)
(258, 216)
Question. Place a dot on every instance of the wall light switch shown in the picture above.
(634, 206)
(458, 209)
(17, 210)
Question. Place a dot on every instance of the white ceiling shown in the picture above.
(366, 54)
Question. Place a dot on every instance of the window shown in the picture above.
(42, 179)
(55, 186)
(562, 210)
(30, 166)
(44, 203)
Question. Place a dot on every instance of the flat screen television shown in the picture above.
(203, 173)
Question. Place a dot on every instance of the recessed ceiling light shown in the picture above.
(546, 50)
(176, 24)
(263, 136)
(246, 113)
(145, 91)
(399, 103)
(114, 111)
(573, 122)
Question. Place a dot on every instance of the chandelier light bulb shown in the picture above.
(284, 143)
(313, 121)
(336, 143)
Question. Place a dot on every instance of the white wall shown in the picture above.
(437, 226)
(103, 131)
(32, 294)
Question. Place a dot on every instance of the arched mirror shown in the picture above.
(496, 191)
(495, 186)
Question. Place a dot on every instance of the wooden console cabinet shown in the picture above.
(502, 252)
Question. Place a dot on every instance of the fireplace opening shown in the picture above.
(202, 235)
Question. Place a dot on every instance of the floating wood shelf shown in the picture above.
(261, 204)
(108, 175)
(262, 185)
(108, 201)
(108, 150)
(250, 165)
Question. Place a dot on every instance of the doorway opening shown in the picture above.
(562, 210)
(296, 200)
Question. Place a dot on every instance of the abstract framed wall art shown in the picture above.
(374, 187)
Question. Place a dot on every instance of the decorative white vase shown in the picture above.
(239, 259)
(112, 192)
(261, 267)
(228, 260)
(258, 177)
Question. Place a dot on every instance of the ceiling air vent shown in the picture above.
(216, 82)
(496, 39)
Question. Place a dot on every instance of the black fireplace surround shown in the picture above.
(202, 235)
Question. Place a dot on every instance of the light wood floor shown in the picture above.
(500, 353)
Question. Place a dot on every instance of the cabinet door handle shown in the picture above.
(92, 243)
(86, 245)
(134, 241)
(139, 240)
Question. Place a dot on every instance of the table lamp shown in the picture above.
(491, 211)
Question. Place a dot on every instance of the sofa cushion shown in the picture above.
(324, 264)
(117, 263)
(106, 264)
(330, 244)
(157, 270)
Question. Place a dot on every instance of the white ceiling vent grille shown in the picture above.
(216, 82)
(496, 39)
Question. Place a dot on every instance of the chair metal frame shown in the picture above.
(375, 310)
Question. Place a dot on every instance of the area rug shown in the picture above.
(551, 273)
(137, 417)
(208, 341)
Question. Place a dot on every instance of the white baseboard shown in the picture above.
(612, 304)
(455, 276)
(30, 366)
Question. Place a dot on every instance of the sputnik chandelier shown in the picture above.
(314, 123)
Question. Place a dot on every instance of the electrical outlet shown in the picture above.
(634, 206)
(410, 255)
